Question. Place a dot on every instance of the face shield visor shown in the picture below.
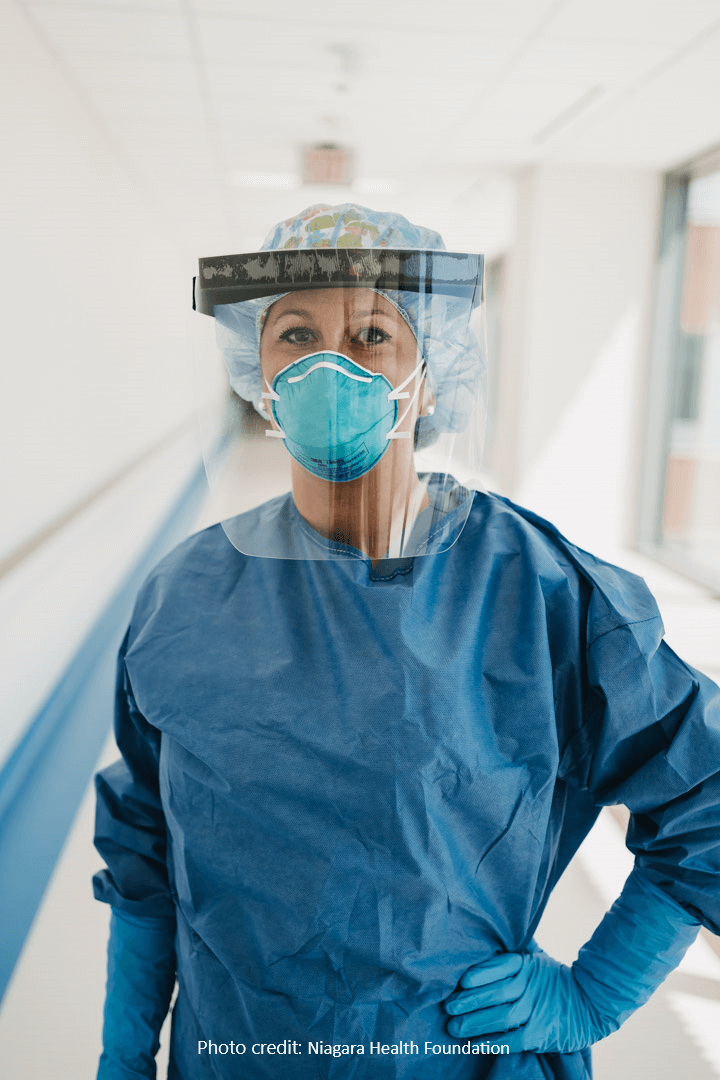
(352, 425)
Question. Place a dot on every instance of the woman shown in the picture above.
(366, 726)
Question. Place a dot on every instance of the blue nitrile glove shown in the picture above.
(141, 977)
(535, 1003)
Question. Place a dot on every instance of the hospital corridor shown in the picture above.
(360, 544)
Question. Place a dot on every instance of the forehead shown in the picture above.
(332, 302)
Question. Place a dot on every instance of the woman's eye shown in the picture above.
(372, 335)
(298, 335)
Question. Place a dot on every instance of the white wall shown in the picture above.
(572, 375)
(93, 296)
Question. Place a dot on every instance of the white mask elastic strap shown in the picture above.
(271, 393)
(333, 367)
(271, 432)
(399, 391)
(395, 434)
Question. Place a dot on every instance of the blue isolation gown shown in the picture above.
(352, 784)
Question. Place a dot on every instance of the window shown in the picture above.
(680, 521)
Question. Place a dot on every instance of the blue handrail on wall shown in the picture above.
(43, 781)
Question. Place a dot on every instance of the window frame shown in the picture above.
(664, 346)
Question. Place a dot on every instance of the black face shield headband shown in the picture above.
(228, 279)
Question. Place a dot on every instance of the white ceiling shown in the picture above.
(439, 100)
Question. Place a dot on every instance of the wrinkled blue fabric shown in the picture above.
(353, 784)
(532, 1002)
(141, 977)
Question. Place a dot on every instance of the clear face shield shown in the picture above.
(353, 423)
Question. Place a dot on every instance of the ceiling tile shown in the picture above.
(669, 118)
(401, 16)
(114, 30)
(109, 5)
(640, 21)
(288, 49)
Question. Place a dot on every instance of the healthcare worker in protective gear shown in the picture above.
(365, 725)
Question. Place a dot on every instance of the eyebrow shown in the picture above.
(294, 311)
(304, 314)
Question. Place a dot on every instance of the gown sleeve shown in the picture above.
(650, 738)
(130, 829)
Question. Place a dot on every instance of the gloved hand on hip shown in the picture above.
(531, 999)
(538, 1004)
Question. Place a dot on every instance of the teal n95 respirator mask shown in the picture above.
(338, 418)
